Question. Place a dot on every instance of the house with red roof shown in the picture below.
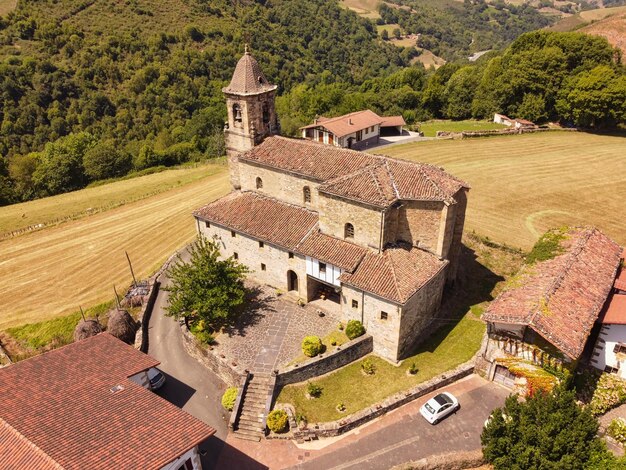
(82, 406)
(356, 130)
(547, 314)
(609, 353)
(372, 238)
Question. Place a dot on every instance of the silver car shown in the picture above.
(438, 407)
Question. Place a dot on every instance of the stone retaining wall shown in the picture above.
(450, 461)
(229, 373)
(495, 132)
(340, 356)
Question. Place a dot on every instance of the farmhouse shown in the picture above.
(355, 130)
(376, 237)
(83, 406)
(515, 123)
(609, 353)
(547, 314)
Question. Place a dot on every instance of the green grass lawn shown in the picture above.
(449, 347)
(430, 128)
(338, 337)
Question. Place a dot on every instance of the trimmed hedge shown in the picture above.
(277, 421)
(229, 397)
(312, 346)
(354, 329)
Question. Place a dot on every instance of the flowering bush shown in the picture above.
(610, 392)
(617, 430)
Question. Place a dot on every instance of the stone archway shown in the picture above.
(292, 281)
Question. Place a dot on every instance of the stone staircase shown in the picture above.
(250, 424)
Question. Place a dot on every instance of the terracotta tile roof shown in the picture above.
(614, 311)
(248, 78)
(348, 123)
(561, 298)
(393, 121)
(314, 160)
(356, 175)
(61, 401)
(17, 452)
(391, 180)
(395, 274)
(332, 250)
(261, 217)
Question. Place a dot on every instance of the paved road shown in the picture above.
(189, 385)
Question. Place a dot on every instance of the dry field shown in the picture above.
(364, 8)
(51, 272)
(7, 6)
(429, 59)
(523, 185)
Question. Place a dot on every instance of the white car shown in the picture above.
(438, 407)
(156, 377)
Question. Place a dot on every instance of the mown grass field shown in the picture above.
(76, 204)
(523, 185)
(430, 128)
(364, 8)
(49, 273)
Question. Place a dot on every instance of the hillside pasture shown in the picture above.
(523, 185)
(76, 204)
(428, 59)
(49, 273)
(364, 8)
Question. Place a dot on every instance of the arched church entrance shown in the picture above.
(292, 280)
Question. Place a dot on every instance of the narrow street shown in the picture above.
(189, 385)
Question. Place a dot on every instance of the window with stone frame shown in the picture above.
(263, 267)
(235, 255)
(233, 233)
(384, 315)
(259, 183)
(290, 255)
(306, 193)
(348, 231)
(355, 304)
(620, 348)
(261, 245)
(207, 224)
(611, 370)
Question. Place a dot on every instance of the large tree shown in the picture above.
(206, 289)
(548, 431)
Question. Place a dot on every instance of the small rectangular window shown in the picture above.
(235, 255)
(290, 255)
(322, 268)
(233, 233)
(619, 348)
(611, 370)
(207, 224)
(262, 267)
(261, 244)
(384, 315)
(355, 304)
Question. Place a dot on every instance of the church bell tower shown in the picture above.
(251, 112)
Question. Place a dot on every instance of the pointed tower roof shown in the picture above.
(248, 78)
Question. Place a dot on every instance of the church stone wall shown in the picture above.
(283, 186)
(334, 213)
(418, 313)
(276, 260)
(419, 223)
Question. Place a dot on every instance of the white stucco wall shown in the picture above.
(191, 454)
(331, 275)
(603, 355)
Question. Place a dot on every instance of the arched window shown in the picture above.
(259, 183)
(306, 192)
(266, 113)
(348, 231)
(237, 113)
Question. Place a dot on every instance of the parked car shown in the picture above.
(438, 407)
(156, 377)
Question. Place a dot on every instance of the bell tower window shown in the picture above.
(259, 183)
(237, 116)
(348, 231)
(306, 191)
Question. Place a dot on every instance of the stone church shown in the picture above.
(375, 236)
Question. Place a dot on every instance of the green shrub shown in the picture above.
(277, 421)
(314, 390)
(368, 367)
(229, 397)
(413, 369)
(312, 346)
(354, 329)
(202, 333)
(610, 392)
(617, 430)
(341, 407)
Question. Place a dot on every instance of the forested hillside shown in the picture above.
(141, 80)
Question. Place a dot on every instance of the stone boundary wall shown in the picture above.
(449, 461)
(327, 362)
(229, 373)
(496, 132)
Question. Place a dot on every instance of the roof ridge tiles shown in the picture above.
(387, 256)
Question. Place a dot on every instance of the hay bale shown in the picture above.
(86, 329)
(122, 326)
